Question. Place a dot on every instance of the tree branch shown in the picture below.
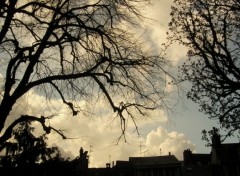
(24, 118)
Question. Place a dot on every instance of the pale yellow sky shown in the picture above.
(183, 131)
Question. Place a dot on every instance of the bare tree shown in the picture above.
(210, 29)
(73, 50)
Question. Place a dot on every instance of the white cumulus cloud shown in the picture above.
(160, 141)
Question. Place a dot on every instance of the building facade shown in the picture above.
(167, 165)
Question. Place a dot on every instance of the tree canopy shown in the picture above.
(75, 51)
(26, 149)
(210, 29)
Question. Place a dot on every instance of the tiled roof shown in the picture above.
(155, 160)
(123, 164)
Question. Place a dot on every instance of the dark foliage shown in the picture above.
(27, 150)
(210, 29)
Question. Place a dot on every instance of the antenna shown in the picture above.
(140, 146)
(144, 152)
(109, 159)
(90, 151)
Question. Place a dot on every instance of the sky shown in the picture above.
(160, 134)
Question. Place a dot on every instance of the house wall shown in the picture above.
(158, 172)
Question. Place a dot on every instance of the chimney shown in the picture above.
(108, 165)
(216, 139)
(169, 153)
(187, 157)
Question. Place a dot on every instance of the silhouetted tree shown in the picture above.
(210, 29)
(28, 154)
(75, 51)
(27, 150)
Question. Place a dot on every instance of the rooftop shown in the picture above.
(154, 160)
